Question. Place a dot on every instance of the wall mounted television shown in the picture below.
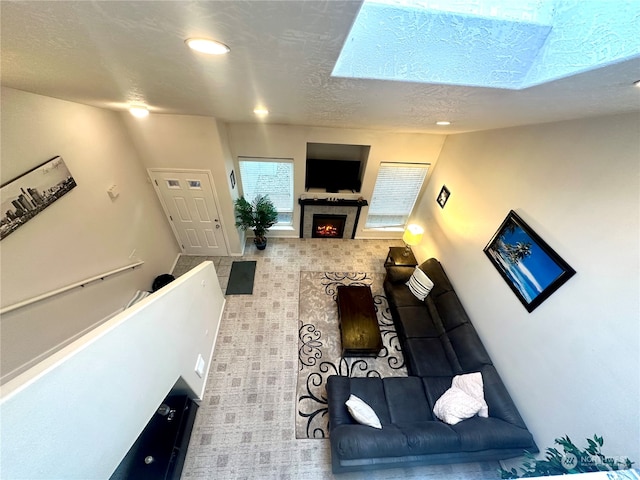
(334, 166)
(333, 175)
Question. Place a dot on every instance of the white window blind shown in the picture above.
(269, 176)
(395, 193)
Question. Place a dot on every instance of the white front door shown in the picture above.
(189, 201)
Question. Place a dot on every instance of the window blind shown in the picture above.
(273, 177)
(395, 193)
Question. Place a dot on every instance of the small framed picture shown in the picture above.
(443, 196)
(232, 177)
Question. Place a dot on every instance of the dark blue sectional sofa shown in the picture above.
(439, 342)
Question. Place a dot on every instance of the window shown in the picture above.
(273, 177)
(395, 193)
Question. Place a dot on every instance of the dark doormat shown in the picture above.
(241, 278)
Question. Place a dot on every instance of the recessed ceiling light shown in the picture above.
(261, 111)
(210, 47)
(443, 123)
(139, 111)
(636, 83)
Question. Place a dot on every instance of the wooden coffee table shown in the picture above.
(358, 322)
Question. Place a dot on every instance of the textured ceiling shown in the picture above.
(111, 53)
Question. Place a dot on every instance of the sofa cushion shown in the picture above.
(430, 357)
(436, 273)
(500, 403)
(398, 274)
(400, 295)
(434, 387)
(430, 437)
(451, 312)
(468, 347)
(358, 441)
(362, 413)
(416, 322)
(338, 391)
(406, 400)
(419, 284)
(371, 391)
(491, 433)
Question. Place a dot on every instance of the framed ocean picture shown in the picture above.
(531, 268)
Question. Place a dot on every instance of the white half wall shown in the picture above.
(572, 364)
(75, 415)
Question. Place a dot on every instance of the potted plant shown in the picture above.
(259, 215)
(571, 460)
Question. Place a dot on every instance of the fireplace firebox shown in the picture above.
(328, 226)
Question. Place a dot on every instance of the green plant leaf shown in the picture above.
(589, 460)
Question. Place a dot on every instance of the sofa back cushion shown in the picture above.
(370, 390)
(469, 349)
(497, 397)
(436, 273)
(431, 357)
(450, 310)
(414, 322)
(399, 295)
(406, 400)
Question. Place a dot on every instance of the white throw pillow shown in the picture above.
(419, 284)
(471, 384)
(455, 405)
(362, 413)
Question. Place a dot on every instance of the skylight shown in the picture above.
(487, 43)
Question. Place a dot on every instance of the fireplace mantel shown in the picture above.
(325, 202)
(340, 202)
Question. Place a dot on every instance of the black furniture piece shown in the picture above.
(160, 450)
(397, 257)
(359, 330)
(438, 342)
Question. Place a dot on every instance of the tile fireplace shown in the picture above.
(339, 216)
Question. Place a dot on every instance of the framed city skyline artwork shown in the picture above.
(531, 268)
(29, 194)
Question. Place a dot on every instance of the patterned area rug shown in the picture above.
(319, 349)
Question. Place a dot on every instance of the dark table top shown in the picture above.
(358, 321)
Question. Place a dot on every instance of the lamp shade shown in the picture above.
(413, 234)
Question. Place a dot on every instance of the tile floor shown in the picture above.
(245, 425)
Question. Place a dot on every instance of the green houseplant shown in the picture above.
(259, 216)
(570, 460)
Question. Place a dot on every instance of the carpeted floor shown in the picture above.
(245, 426)
(319, 346)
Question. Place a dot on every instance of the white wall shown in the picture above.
(572, 364)
(83, 234)
(77, 414)
(282, 141)
(191, 142)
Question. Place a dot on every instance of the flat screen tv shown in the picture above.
(333, 175)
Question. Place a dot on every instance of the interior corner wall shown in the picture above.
(83, 234)
(572, 364)
(190, 142)
(288, 141)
